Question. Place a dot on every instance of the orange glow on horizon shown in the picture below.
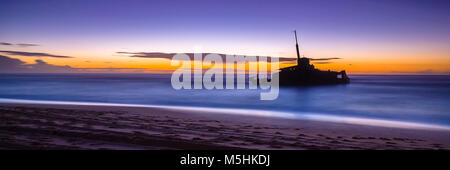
(380, 64)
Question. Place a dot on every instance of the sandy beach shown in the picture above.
(47, 126)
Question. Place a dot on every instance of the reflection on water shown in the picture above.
(406, 98)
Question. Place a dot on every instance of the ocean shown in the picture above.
(412, 98)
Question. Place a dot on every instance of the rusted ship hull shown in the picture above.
(312, 77)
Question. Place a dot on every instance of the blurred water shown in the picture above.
(423, 99)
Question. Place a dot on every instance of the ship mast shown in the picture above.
(296, 45)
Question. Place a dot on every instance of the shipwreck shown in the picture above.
(304, 73)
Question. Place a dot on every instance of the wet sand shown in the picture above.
(45, 126)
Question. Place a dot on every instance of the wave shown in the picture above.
(254, 112)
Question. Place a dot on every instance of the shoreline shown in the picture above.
(251, 112)
(63, 126)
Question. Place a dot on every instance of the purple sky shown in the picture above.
(328, 28)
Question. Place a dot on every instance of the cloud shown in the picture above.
(12, 65)
(4, 43)
(169, 56)
(33, 54)
(149, 54)
(27, 45)
(191, 55)
(322, 62)
(43, 67)
(20, 44)
(324, 59)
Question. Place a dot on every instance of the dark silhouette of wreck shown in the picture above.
(304, 73)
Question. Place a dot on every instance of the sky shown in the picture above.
(366, 36)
